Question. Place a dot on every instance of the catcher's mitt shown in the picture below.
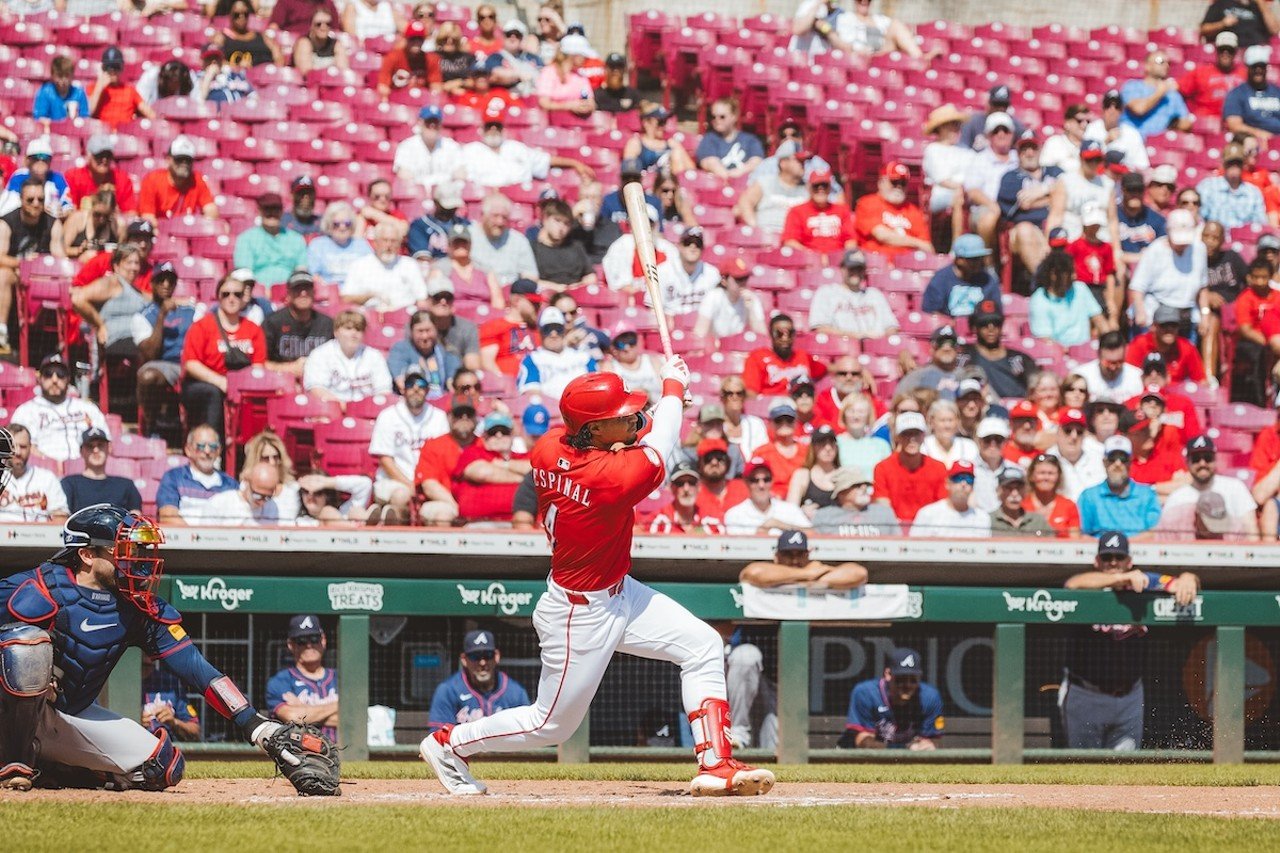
(306, 758)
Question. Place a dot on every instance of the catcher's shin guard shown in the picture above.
(166, 765)
(719, 773)
(26, 669)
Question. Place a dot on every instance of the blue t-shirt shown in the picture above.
(306, 691)
(744, 147)
(1139, 232)
(1166, 110)
(1256, 108)
(614, 209)
(949, 294)
(176, 324)
(53, 106)
(82, 491)
(162, 687)
(455, 701)
(1136, 511)
(871, 711)
(1013, 183)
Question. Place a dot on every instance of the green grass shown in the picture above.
(32, 826)
(1044, 774)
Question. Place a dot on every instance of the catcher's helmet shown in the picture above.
(6, 457)
(597, 396)
(134, 542)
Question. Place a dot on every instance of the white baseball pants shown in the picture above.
(95, 739)
(578, 641)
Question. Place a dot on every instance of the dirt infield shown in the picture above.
(1256, 801)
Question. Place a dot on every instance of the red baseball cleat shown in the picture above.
(731, 778)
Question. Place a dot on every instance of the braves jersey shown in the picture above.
(91, 628)
(305, 690)
(588, 499)
(34, 496)
(400, 434)
(56, 427)
(348, 379)
(163, 689)
(457, 701)
(552, 371)
(871, 711)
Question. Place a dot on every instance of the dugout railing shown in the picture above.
(1003, 615)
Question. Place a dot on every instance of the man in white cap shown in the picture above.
(988, 168)
(953, 517)
(549, 368)
(1205, 87)
(906, 479)
(1253, 107)
(57, 197)
(101, 168)
(1172, 271)
(178, 189)
(992, 434)
(1154, 104)
(1118, 503)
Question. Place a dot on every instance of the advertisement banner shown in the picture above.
(873, 602)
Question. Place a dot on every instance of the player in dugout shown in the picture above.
(899, 710)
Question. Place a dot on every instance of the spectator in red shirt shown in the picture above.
(1249, 368)
(488, 472)
(1094, 257)
(1045, 495)
(771, 371)
(216, 344)
(178, 189)
(433, 476)
(505, 340)
(1024, 422)
(1157, 455)
(820, 224)
(1180, 355)
(717, 492)
(684, 514)
(405, 66)
(885, 222)
(1179, 411)
(1266, 450)
(1205, 87)
(783, 453)
(847, 377)
(101, 168)
(112, 101)
(907, 479)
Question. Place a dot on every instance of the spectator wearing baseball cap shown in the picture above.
(1024, 197)
(405, 66)
(302, 218)
(479, 688)
(777, 186)
(1012, 518)
(1079, 455)
(1179, 411)
(428, 157)
(1253, 107)
(1157, 459)
(1180, 356)
(851, 307)
(820, 224)
(178, 189)
(160, 330)
(763, 512)
(942, 373)
(898, 710)
(1091, 187)
(989, 166)
(1007, 370)
(954, 290)
(1222, 18)
(718, 489)
(1205, 87)
(792, 564)
(99, 170)
(783, 453)
(954, 516)
(1212, 505)
(907, 479)
(1094, 256)
(306, 692)
(1140, 224)
(548, 369)
(111, 100)
(432, 234)
(1064, 309)
(975, 134)
(271, 251)
(615, 95)
(684, 514)
(1024, 429)
(1118, 503)
(296, 329)
(1153, 104)
(1171, 272)
(93, 485)
(488, 472)
(885, 222)
(1227, 198)
(731, 307)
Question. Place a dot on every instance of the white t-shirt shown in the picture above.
(945, 163)
(985, 171)
(1125, 387)
(229, 509)
(1129, 141)
(754, 433)
(56, 427)
(865, 313)
(962, 449)
(400, 435)
(34, 496)
(1087, 471)
(511, 163)
(348, 379)
(547, 373)
(1179, 508)
(428, 167)
(730, 318)
(744, 519)
(941, 520)
(1060, 151)
(683, 292)
(399, 286)
(1082, 194)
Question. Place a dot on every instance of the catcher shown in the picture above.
(74, 616)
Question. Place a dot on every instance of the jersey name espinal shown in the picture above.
(556, 482)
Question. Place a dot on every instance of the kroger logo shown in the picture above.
(214, 589)
(354, 595)
(1040, 601)
(495, 595)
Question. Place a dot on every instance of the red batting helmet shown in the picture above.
(597, 396)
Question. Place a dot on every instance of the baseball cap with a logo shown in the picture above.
(1116, 444)
(793, 540)
(908, 421)
(1068, 417)
(1201, 444)
(1113, 542)
(905, 662)
(306, 625)
(478, 641)
(997, 120)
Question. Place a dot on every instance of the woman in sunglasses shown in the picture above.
(99, 228)
(487, 40)
(330, 255)
(449, 65)
(245, 47)
(267, 446)
(320, 48)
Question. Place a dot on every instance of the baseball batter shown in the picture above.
(66, 624)
(589, 476)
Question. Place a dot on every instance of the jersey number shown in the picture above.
(550, 524)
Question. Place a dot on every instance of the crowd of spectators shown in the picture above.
(1031, 326)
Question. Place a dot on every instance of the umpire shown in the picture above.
(1101, 697)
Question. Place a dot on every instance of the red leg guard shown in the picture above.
(710, 725)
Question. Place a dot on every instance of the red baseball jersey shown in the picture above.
(588, 499)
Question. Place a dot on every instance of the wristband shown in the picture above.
(673, 388)
(1155, 580)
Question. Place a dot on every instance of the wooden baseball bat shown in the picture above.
(641, 229)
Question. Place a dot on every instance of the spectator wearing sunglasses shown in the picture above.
(113, 101)
(205, 361)
(55, 195)
(254, 503)
(489, 472)
(26, 232)
(306, 692)
(770, 372)
(178, 189)
(478, 689)
(185, 491)
(56, 419)
(953, 517)
(330, 255)
(763, 512)
(885, 222)
(100, 169)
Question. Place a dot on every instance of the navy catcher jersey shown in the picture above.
(871, 711)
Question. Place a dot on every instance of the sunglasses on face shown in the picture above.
(486, 16)
(1201, 458)
(757, 481)
(231, 294)
(1189, 202)
(967, 479)
(1073, 430)
(845, 373)
(479, 657)
(498, 431)
(784, 333)
(343, 223)
(727, 394)
(686, 484)
(1076, 389)
(417, 383)
(270, 457)
(104, 156)
(466, 389)
(51, 372)
(208, 446)
(1115, 458)
(33, 200)
(322, 23)
(443, 297)
(43, 158)
(309, 639)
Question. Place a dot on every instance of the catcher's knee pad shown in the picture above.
(165, 767)
(26, 660)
